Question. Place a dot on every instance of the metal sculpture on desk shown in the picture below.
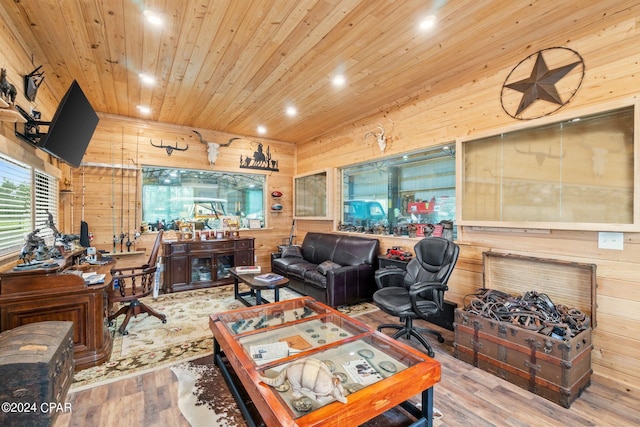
(34, 245)
(60, 239)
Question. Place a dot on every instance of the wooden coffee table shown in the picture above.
(256, 287)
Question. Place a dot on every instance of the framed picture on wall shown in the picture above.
(254, 223)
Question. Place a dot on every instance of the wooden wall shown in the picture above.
(106, 191)
(611, 56)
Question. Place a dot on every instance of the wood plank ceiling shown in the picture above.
(231, 65)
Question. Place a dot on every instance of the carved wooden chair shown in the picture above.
(129, 284)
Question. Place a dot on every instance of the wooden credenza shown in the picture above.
(194, 264)
(47, 294)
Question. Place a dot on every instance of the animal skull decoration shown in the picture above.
(213, 147)
(380, 138)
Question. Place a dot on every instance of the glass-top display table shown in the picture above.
(375, 372)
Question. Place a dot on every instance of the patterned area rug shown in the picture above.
(151, 344)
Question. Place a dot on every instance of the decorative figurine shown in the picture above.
(309, 377)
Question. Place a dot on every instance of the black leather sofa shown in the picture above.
(332, 268)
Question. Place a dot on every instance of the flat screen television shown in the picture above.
(70, 130)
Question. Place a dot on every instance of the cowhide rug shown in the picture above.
(205, 399)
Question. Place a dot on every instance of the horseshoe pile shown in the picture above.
(533, 311)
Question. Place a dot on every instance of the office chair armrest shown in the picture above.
(389, 276)
(416, 288)
(427, 307)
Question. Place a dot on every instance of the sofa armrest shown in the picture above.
(350, 284)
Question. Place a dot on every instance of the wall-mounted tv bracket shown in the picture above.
(31, 132)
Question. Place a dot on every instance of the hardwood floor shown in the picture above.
(466, 396)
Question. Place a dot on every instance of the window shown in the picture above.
(312, 196)
(402, 195)
(573, 174)
(17, 215)
(46, 202)
(202, 197)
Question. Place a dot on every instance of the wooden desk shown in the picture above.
(51, 294)
(334, 338)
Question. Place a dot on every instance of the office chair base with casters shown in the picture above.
(132, 310)
(407, 330)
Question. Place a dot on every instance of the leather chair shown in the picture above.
(129, 284)
(419, 291)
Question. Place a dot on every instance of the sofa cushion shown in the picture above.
(319, 247)
(325, 266)
(284, 263)
(316, 278)
(300, 268)
(291, 252)
(355, 251)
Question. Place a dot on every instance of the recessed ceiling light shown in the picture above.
(147, 79)
(262, 130)
(153, 17)
(144, 109)
(291, 111)
(339, 80)
(428, 22)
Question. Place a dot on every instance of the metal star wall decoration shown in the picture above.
(543, 84)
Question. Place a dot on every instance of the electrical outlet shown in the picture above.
(609, 240)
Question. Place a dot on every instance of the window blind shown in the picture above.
(15, 204)
(46, 201)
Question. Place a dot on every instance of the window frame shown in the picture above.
(412, 161)
(463, 143)
(322, 208)
(228, 211)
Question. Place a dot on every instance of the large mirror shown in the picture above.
(171, 197)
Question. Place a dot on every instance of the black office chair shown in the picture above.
(419, 291)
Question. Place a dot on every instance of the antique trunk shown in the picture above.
(36, 367)
(556, 369)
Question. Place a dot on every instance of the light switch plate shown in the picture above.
(610, 240)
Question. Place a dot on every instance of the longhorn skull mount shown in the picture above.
(212, 147)
(169, 148)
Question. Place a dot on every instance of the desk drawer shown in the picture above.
(212, 245)
(244, 244)
(175, 248)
